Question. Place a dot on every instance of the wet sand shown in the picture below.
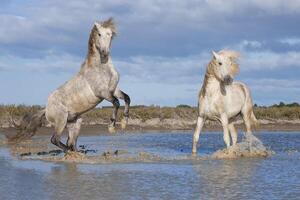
(102, 129)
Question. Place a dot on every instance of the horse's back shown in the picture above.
(76, 95)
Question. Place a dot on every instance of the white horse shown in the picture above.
(222, 99)
(97, 80)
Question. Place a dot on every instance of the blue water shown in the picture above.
(276, 177)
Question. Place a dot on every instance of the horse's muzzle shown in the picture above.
(227, 80)
(104, 57)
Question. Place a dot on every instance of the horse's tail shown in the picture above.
(249, 108)
(253, 120)
(27, 127)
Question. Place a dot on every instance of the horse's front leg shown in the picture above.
(122, 95)
(200, 122)
(226, 136)
(116, 104)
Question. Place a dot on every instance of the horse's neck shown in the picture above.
(211, 85)
(93, 60)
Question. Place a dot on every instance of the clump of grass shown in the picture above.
(288, 113)
(18, 110)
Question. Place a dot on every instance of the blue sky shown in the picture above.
(161, 49)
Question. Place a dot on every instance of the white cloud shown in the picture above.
(274, 84)
(250, 43)
(169, 80)
(268, 91)
(290, 41)
(270, 60)
(57, 26)
(175, 70)
(43, 16)
(53, 63)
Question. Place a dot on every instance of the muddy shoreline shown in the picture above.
(102, 129)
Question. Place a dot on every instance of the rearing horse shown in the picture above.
(97, 80)
(222, 99)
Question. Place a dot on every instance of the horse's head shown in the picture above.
(101, 37)
(224, 65)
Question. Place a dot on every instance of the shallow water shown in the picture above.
(275, 177)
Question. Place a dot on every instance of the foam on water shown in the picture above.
(40, 149)
(251, 146)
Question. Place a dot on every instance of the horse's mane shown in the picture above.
(92, 39)
(110, 24)
(208, 73)
(233, 56)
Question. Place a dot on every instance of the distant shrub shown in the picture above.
(183, 106)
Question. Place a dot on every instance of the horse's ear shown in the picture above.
(215, 55)
(96, 26)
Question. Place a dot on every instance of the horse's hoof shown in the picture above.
(124, 123)
(194, 152)
(73, 155)
(111, 129)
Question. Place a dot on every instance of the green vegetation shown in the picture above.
(17, 110)
(278, 111)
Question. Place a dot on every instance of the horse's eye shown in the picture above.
(99, 34)
(220, 63)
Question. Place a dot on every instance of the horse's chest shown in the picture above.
(210, 107)
(103, 80)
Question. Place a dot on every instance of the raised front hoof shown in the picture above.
(124, 122)
(111, 129)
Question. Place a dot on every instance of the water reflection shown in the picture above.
(272, 178)
(228, 179)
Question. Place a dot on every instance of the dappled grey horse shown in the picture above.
(97, 80)
(223, 100)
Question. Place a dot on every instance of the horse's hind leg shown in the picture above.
(122, 95)
(247, 121)
(246, 113)
(55, 139)
(60, 124)
(73, 129)
(233, 133)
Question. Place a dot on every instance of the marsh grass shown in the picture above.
(281, 111)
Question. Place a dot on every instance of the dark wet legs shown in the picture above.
(122, 95)
(56, 141)
(127, 104)
(116, 104)
(73, 129)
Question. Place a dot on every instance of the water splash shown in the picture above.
(250, 146)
